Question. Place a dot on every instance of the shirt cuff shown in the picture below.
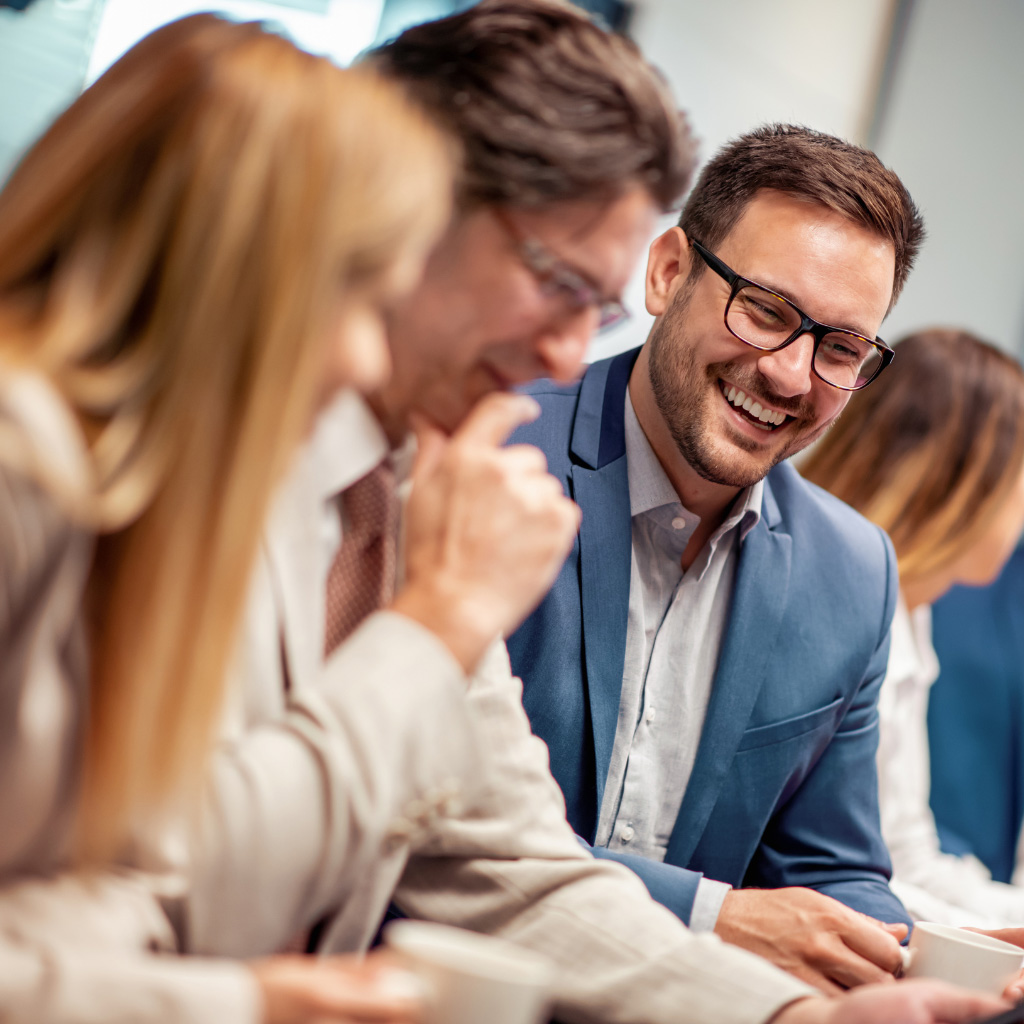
(707, 904)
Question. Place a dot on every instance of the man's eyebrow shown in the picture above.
(765, 283)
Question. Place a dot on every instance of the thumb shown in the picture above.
(431, 443)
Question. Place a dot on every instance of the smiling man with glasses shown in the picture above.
(705, 671)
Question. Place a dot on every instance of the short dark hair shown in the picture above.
(809, 165)
(547, 105)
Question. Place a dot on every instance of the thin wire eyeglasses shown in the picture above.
(559, 279)
(765, 320)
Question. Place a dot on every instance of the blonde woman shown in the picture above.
(193, 260)
(934, 454)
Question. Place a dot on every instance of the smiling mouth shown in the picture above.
(756, 414)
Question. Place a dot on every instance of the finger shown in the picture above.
(1014, 991)
(575, 514)
(525, 458)
(340, 997)
(376, 985)
(431, 442)
(808, 974)
(849, 971)
(566, 514)
(1015, 936)
(496, 415)
(872, 943)
(948, 1003)
(897, 930)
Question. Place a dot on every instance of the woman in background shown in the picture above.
(933, 453)
(193, 259)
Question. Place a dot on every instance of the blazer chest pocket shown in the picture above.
(789, 728)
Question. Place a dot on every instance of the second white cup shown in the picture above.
(962, 957)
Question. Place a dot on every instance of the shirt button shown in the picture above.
(651, 715)
(627, 834)
(678, 523)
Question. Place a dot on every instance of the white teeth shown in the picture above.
(756, 410)
(747, 403)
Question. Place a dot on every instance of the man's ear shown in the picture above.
(668, 265)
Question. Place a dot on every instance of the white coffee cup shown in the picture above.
(471, 978)
(961, 957)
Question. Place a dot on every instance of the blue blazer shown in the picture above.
(976, 719)
(784, 790)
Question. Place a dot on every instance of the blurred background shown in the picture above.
(933, 86)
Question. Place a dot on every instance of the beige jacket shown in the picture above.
(72, 950)
(444, 797)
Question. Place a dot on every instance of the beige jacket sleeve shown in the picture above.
(91, 950)
(308, 810)
(512, 867)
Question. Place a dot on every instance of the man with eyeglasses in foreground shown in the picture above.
(706, 669)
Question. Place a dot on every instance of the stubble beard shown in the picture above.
(683, 392)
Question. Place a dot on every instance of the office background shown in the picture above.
(934, 86)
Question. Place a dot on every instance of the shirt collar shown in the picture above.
(347, 443)
(650, 487)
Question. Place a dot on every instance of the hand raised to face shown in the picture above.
(487, 529)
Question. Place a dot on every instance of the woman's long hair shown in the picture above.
(173, 254)
(931, 449)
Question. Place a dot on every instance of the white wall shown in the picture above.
(734, 64)
(953, 133)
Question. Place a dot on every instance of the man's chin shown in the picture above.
(734, 465)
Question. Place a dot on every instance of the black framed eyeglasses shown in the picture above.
(765, 320)
(557, 279)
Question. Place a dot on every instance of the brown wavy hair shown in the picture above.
(548, 106)
(173, 255)
(931, 449)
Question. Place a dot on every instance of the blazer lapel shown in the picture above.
(601, 488)
(755, 617)
(605, 553)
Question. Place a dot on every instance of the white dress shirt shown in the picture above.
(673, 637)
(933, 886)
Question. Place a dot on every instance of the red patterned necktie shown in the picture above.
(362, 577)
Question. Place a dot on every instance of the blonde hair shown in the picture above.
(931, 449)
(172, 254)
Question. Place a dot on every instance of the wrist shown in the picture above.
(453, 619)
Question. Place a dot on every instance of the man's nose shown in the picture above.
(789, 368)
(561, 346)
